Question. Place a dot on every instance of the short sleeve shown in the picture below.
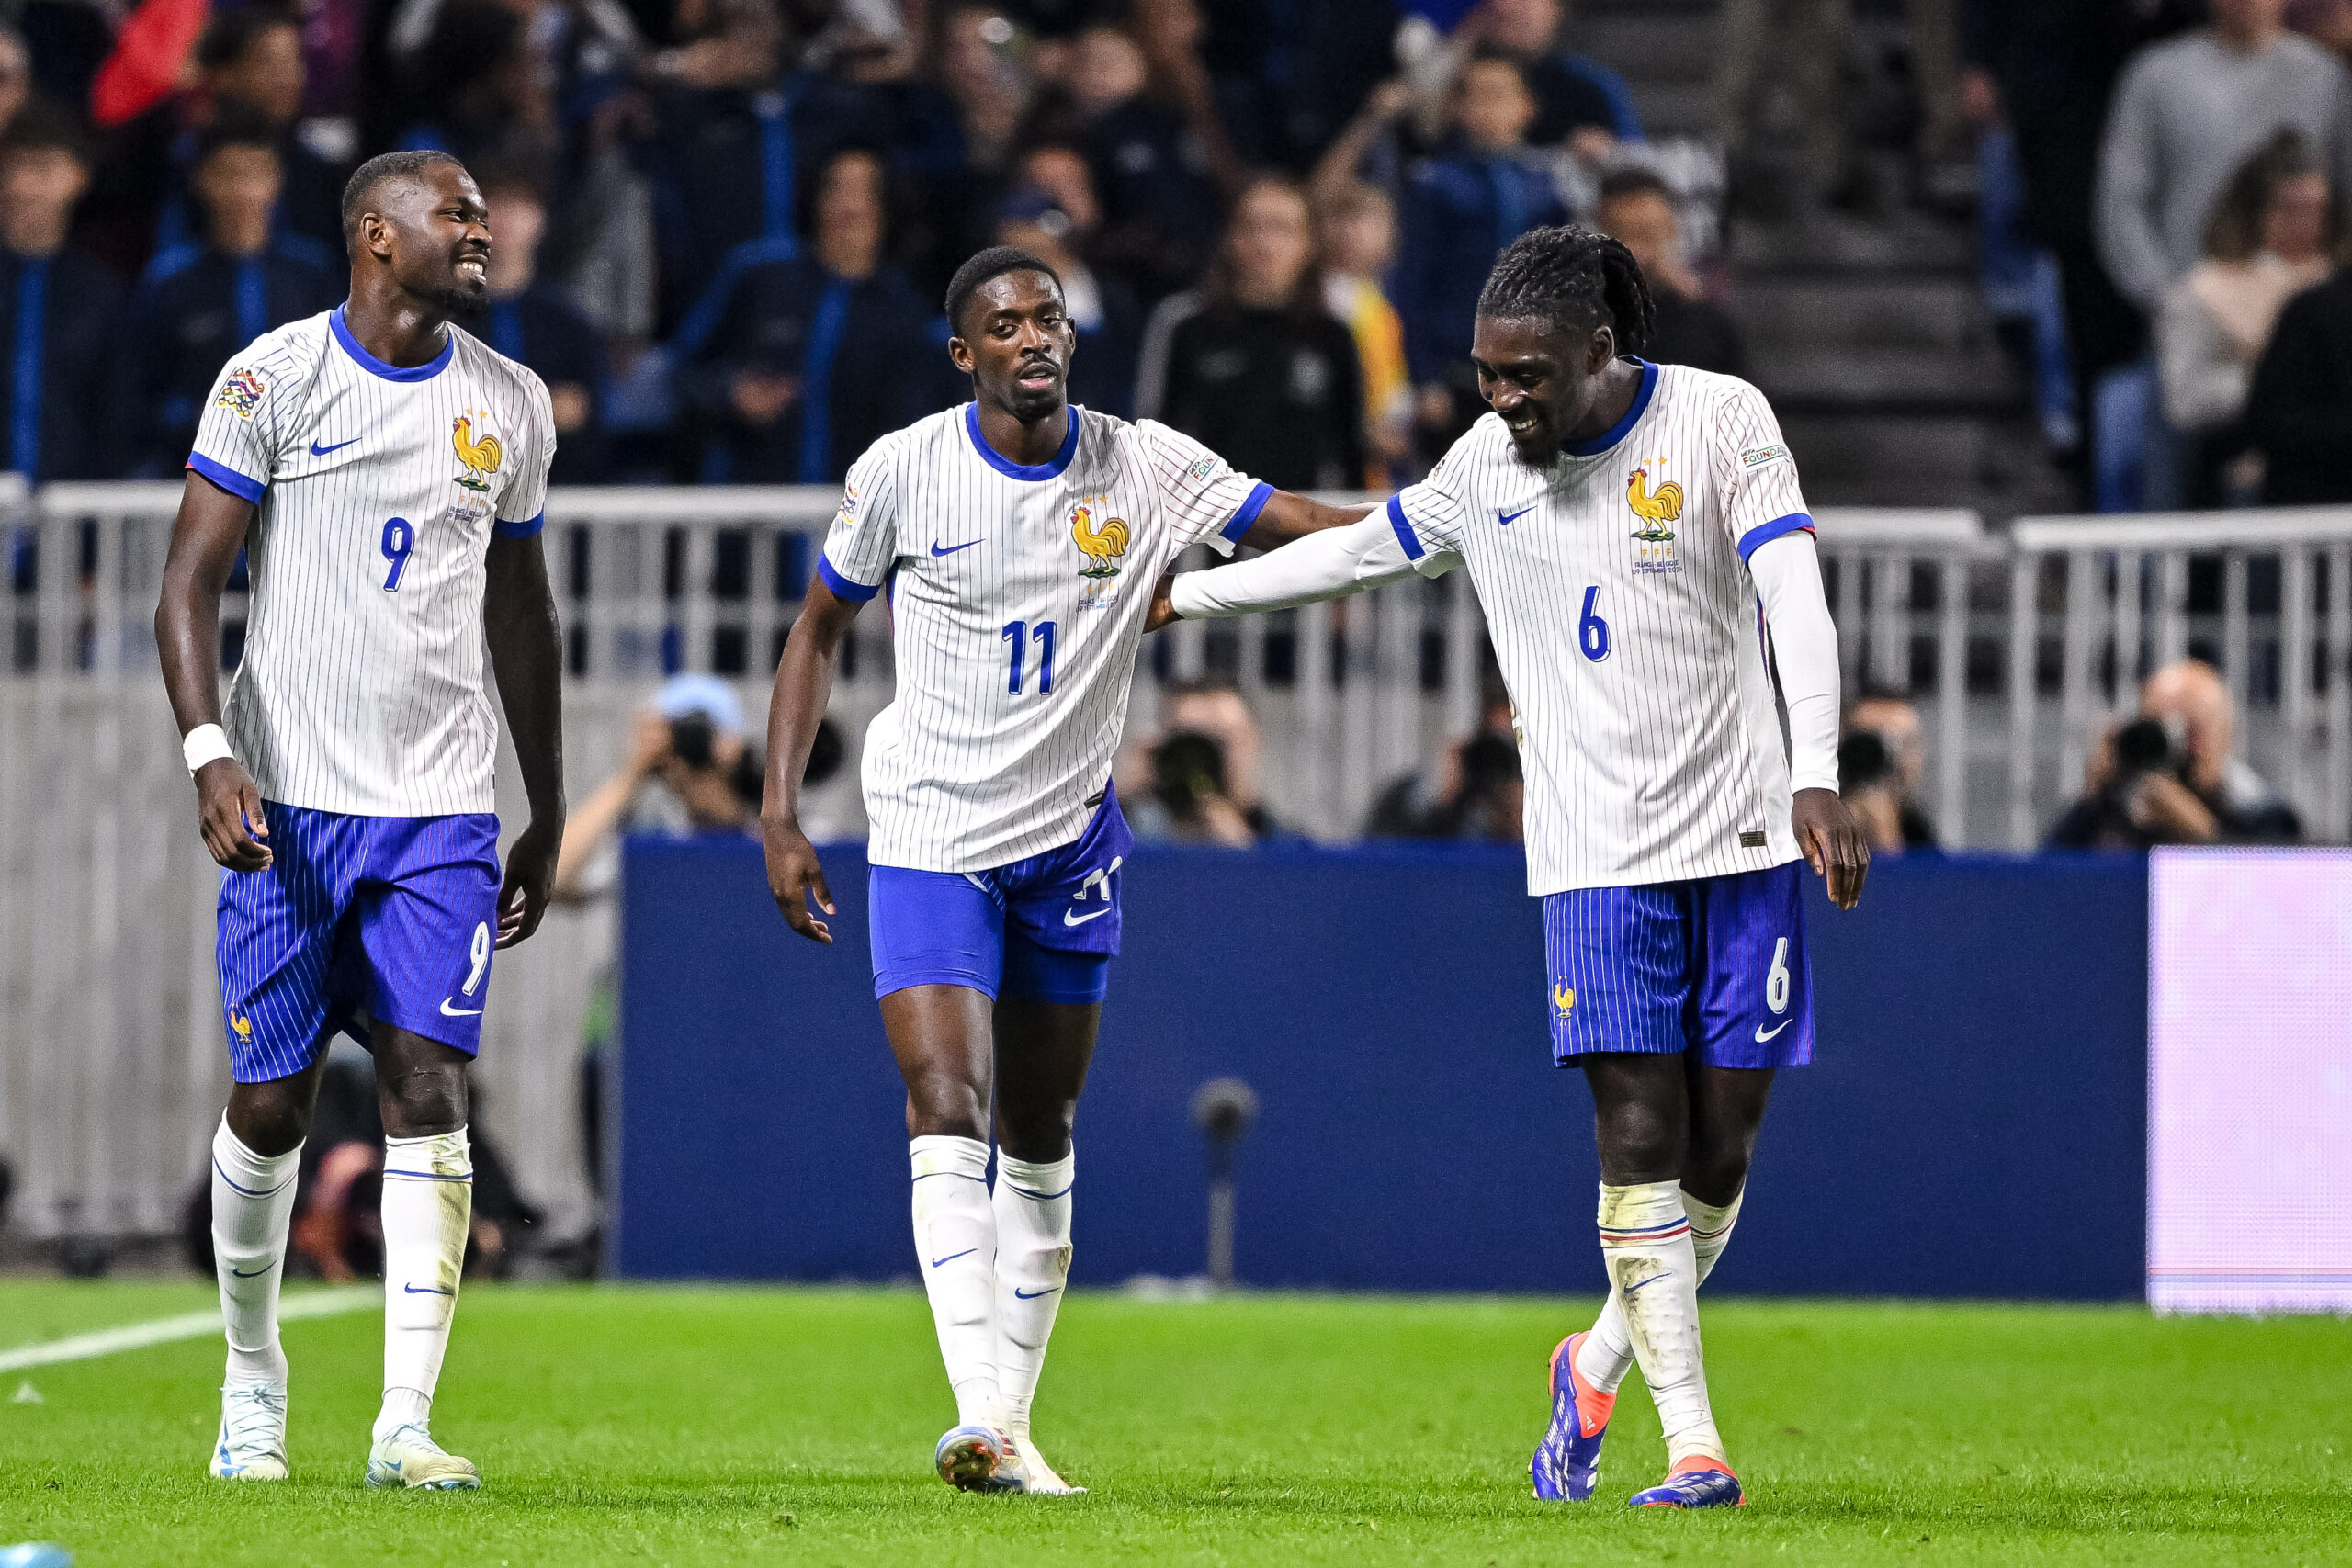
(236, 438)
(1207, 503)
(1755, 474)
(523, 508)
(863, 544)
(1428, 517)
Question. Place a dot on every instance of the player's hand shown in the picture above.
(1833, 844)
(530, 879)
(795, 876)
(228, 811)
(1163, 602)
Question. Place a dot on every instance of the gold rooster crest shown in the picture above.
(1564, 999)
(241, 1024)
(1098, 543)
(480, 458)
(1656, 509)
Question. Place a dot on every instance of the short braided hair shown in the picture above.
(1573, 280)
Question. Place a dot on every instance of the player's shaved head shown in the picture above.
(367, 190)
(988, 264)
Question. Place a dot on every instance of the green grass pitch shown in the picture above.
(795, 1427)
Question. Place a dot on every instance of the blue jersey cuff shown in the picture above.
(506, 528)
(1764, 533)
(1405, 534)
(856, 592)
(1248, 514)
(242, 486)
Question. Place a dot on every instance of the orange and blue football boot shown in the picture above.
(1566, 1465)
(1697, 1482)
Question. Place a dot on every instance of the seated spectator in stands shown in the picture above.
(248, 63)
(740, 128)
(535, 323)
(798, 360)
(1253, 367)
(1581, 104)
(1474, 792)
(1460, 207)
(202, 302)
(472, 91)
(983, 79)
(1637, 211)
(2276, 232)
(60, 311)
(1214, 706)
(1356, 228)
(1108, 320)
(2299, 407)
(1189, 802)
(2170, 776)
(1894, 724)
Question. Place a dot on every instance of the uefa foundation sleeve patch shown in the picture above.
(1756, 457)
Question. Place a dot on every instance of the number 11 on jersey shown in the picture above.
(1019, 634)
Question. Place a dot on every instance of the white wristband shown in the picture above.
(205, 743)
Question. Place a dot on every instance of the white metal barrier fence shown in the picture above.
(111, 1070)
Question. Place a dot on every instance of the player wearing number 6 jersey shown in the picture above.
(1019, 538)
(384, 474)
(1633, 531)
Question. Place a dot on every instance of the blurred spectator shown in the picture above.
(2298, 406)
(1255, 366)
(739, 129)
(1637, 211)
(201, 303)
(794, 363)
(2327, 23)
(533, 322)
(1189, 802)
(1472, 793)
(1580, 103)
(1891, 761)
(473, 90)
(2170, 777)
(2188, 113)
(2274, 233)
(59, 311)
(977, 69)
(1356, 225)
(16, 74)
(1214, 706)
(1288, 74)
(1108, 320)
(1462, 208)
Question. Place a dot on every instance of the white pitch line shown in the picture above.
(188, 1325)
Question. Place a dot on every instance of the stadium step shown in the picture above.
(1666, 52)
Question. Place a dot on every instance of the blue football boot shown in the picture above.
(1693, 1483)
(1566, 1465)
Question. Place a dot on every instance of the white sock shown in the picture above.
(252, 1208)
(1032, 1209)
(1654, 1274)
(1607, 1353)
(956, 1246)
(428, 1206)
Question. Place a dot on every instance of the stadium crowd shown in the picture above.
(1271, 235)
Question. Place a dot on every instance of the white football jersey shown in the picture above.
(362, 689)
(1017, 600)
(1616, 590)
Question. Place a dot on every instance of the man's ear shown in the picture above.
(1601, 349)
(959, 353)
(376, 236)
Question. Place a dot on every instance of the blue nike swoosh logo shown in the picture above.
(1651, 1280)
(953, 1256)
(319, 451)
(237, 1273)
(1507, 518)
(952, 549)
(427, 1290)
(1022, 1295)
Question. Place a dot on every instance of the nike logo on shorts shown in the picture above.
(319, 451)
(951, 549)
(1762, 1034)
(448, 1011)
(1072, 918)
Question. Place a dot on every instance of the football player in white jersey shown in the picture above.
(386, 474)
(1020, 537)
(1633, 531)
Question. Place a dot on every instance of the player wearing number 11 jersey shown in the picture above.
(1633, 531)
(386, 475)
(1019, 538)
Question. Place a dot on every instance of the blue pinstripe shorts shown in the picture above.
(1716, 964)
(390, 918)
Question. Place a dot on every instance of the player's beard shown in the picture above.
(452, 292)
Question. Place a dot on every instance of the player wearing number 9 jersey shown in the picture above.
(384, 474)
(1019, 538)
(1641, 548)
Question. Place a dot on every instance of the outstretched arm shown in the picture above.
(1328, 563)
(804, 685)
(526, 656)
(205, 537)
(1805, 645)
